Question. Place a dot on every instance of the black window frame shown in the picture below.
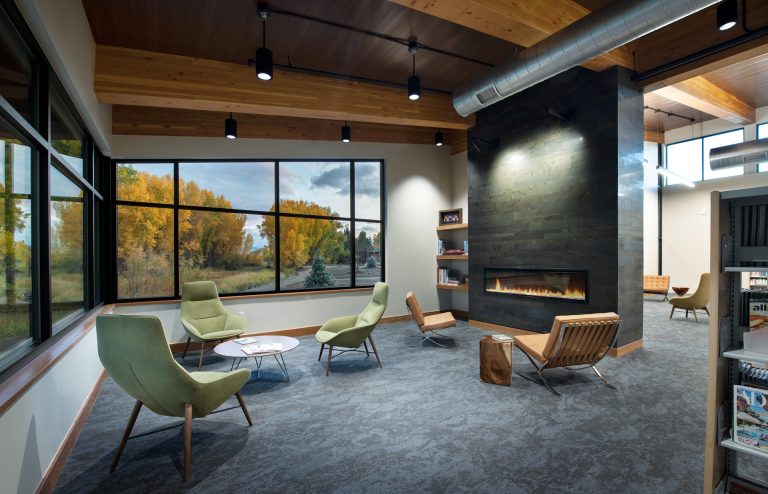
(36, 133)
(176, 207)
(703, 158)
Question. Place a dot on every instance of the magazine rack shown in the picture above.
(738, 243)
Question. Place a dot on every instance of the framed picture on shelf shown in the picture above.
(450, 217)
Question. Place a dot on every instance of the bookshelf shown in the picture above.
(453, 266)
(738, 248)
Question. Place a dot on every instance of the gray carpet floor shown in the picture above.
(425, 423)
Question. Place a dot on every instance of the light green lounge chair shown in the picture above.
(136, 355)
(204, 317)
(351, 331)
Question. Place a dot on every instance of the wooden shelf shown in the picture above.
(757, 357)
(456, 257)
(461, 226)
(731, 444)
(458, 288)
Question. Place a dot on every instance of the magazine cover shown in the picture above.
(750, 417)
(758, 311)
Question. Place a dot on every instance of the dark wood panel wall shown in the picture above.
(555, 181)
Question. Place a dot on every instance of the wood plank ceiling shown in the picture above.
(230, 31)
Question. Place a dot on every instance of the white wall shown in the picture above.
(685, 211)
(460, 199)
(62, 30)
(650, 208)
(418, 184)
(33, 429)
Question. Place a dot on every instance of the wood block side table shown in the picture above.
(496, 361)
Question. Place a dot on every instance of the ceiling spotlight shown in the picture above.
(438, 138)
(230, 128)
(727, 14)
(414, 83)
(263, 60)
(346, 133)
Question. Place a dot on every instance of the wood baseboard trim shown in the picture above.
(499, 328)
(178, 347)
(52, 474)
(626, 349)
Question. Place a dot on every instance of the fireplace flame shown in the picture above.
(539, 291)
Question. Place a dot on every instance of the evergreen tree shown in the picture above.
(319, 277)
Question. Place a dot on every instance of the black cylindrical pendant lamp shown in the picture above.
(230, 128)
(263, 64)
(438, 138)
(727, 14)
(414, 87)
(346, 133)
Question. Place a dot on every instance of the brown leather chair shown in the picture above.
(697, 300)
(428, 325)
(580, 340)
(653, 283)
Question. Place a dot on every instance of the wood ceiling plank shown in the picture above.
(701, 94)
(138, 120)
(141, 78)
(523, 22)
(653, 135)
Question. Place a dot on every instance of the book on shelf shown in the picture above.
(256, 348)
(466, 247)
(452, 282)
(750, 417)
(454, 252)
(245, 340)
(503, 337)
(441, 245)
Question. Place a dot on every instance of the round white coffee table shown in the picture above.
(234, 350)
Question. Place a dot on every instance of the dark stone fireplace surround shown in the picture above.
(561, 191)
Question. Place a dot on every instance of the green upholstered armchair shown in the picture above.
(204, 317)
(351, 331)
(135, 353)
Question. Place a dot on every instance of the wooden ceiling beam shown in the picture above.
(139, 120)
(141, 78)
(522, 22)
(701, 94)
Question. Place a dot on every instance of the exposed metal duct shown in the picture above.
(603, 30)
(743, 153)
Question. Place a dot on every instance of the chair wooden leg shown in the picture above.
(245, 410)
(186, 347)
(126, 434)
(320, 355)
(695, 316)
(367, 353)
(673, 311)
(187, 438)
(373, 345)
(686, 313)
(330, 353)
(202, 353)
(706, 310)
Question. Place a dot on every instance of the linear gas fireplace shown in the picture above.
(541, 283)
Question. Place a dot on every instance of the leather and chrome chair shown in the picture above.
(204, 317)
(350, 332)
(697, 300)
(574, 341)
(428, 325)
(136, 355)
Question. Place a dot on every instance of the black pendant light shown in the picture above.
(263, 61)
(727, 14)
(230, 128)
(346, 133)
(438, 138)
(414, 83)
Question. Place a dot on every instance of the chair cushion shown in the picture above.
(533, 345)
(220, 335)
(415, 308)
(438, 321)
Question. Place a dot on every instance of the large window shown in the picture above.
(690, 159)
(49, 205)
(762, 133)
(250, 226)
